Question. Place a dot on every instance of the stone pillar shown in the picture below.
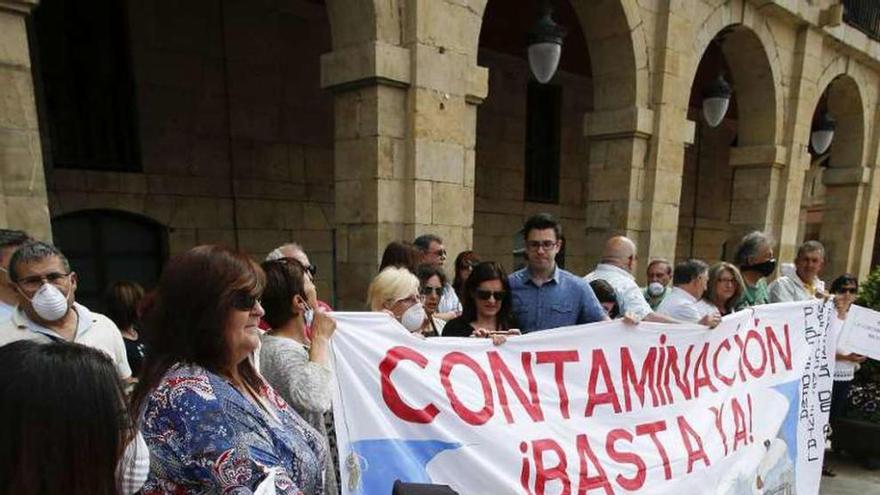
(23, 199)
(371, 84)
(757, 178)
(405, 137)
(842, 231)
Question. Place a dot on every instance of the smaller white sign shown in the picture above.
(861, 332)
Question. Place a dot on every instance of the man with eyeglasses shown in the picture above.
(45, 289)
(434, 253)
(10, 240)
(544, 295)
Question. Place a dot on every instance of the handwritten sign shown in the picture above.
(861, 332)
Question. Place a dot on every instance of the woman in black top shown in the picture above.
(485, 306)
(123, 303)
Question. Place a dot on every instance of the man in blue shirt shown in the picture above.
(544, 295)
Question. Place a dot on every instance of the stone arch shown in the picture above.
(754, 81)
(845, 103)
(355, 22)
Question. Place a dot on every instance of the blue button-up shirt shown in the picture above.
(561, 301)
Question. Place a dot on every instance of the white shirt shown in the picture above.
(5, 310)
(681, 305)
(844, 370)
(627, 293)
(789, 289)
(705, 307)
(92, 330)
(449, 301)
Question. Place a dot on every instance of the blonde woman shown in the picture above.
(396, 291)
(724, 289)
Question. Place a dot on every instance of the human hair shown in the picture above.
(423, 242)
(285, 278)
(811, 247)
(186, 316)
(31, 252)
(686, 271)
(484, 272)
(657, 261)
(715, 273)
(749, 247)
(841, 281)
(426, 271)
(603, 290)
(12, 238)
(278, 253)
(63, 420)
(400, 254)
(542, 221)
(122, 301)
(389, 285)
(462, 258)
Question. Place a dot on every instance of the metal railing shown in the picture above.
(863, 15)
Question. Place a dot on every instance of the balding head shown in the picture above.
(620, 251)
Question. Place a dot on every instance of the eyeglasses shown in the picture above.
(484, 295)
(244, 301)
(440, 253)
(726, 280)
(534, 245)
(34, 282)
(427, 291)
(848, 290)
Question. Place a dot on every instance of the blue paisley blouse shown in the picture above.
(205, 437)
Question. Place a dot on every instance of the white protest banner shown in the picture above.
(861, 332)
(604, 408)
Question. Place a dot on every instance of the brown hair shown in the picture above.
(185, 320)
(285, 278)
(715, 273)
(401, 254)
(123, 300)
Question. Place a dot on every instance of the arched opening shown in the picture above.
(531, 152)
(836, 182)
(723, 193)
(107, 246)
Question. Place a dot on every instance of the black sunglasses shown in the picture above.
(244, 300)
(427, 291)
(484, 295)
(847, 290)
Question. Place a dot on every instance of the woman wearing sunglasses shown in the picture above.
(464, 264)
(432, 284)
(213, 425)
(486, 306)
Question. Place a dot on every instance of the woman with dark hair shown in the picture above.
(464, 264)
(606, 296)
(432, 284)
(486, 305)
(64, 423)
(401, 254)
(123, 301)
(296, 366)
(212, 423)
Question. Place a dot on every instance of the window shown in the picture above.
(83, 76)
(542, 142)
(105, 247)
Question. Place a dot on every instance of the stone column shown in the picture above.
(757, 178)
(371, 84)
(23, 199)
(842, 231)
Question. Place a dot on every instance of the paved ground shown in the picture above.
(851, 479)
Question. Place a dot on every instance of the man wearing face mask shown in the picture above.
(45, 289)
(10, 240)
(659, 277)
(754, 256)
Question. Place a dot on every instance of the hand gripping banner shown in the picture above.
(605, 408)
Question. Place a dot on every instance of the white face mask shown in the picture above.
(414, 317)
(655, 288)
(134, 466)
(49, 303)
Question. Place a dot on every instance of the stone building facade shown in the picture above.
(345, 124)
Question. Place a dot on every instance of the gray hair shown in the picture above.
(423, 242)
(31, 252)
(278, 253)
(749, 247)
(811, 247)
(12, 238)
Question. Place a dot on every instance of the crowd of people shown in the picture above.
(219, 379)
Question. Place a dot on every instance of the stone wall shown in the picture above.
(236, 135)
(499, 209)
